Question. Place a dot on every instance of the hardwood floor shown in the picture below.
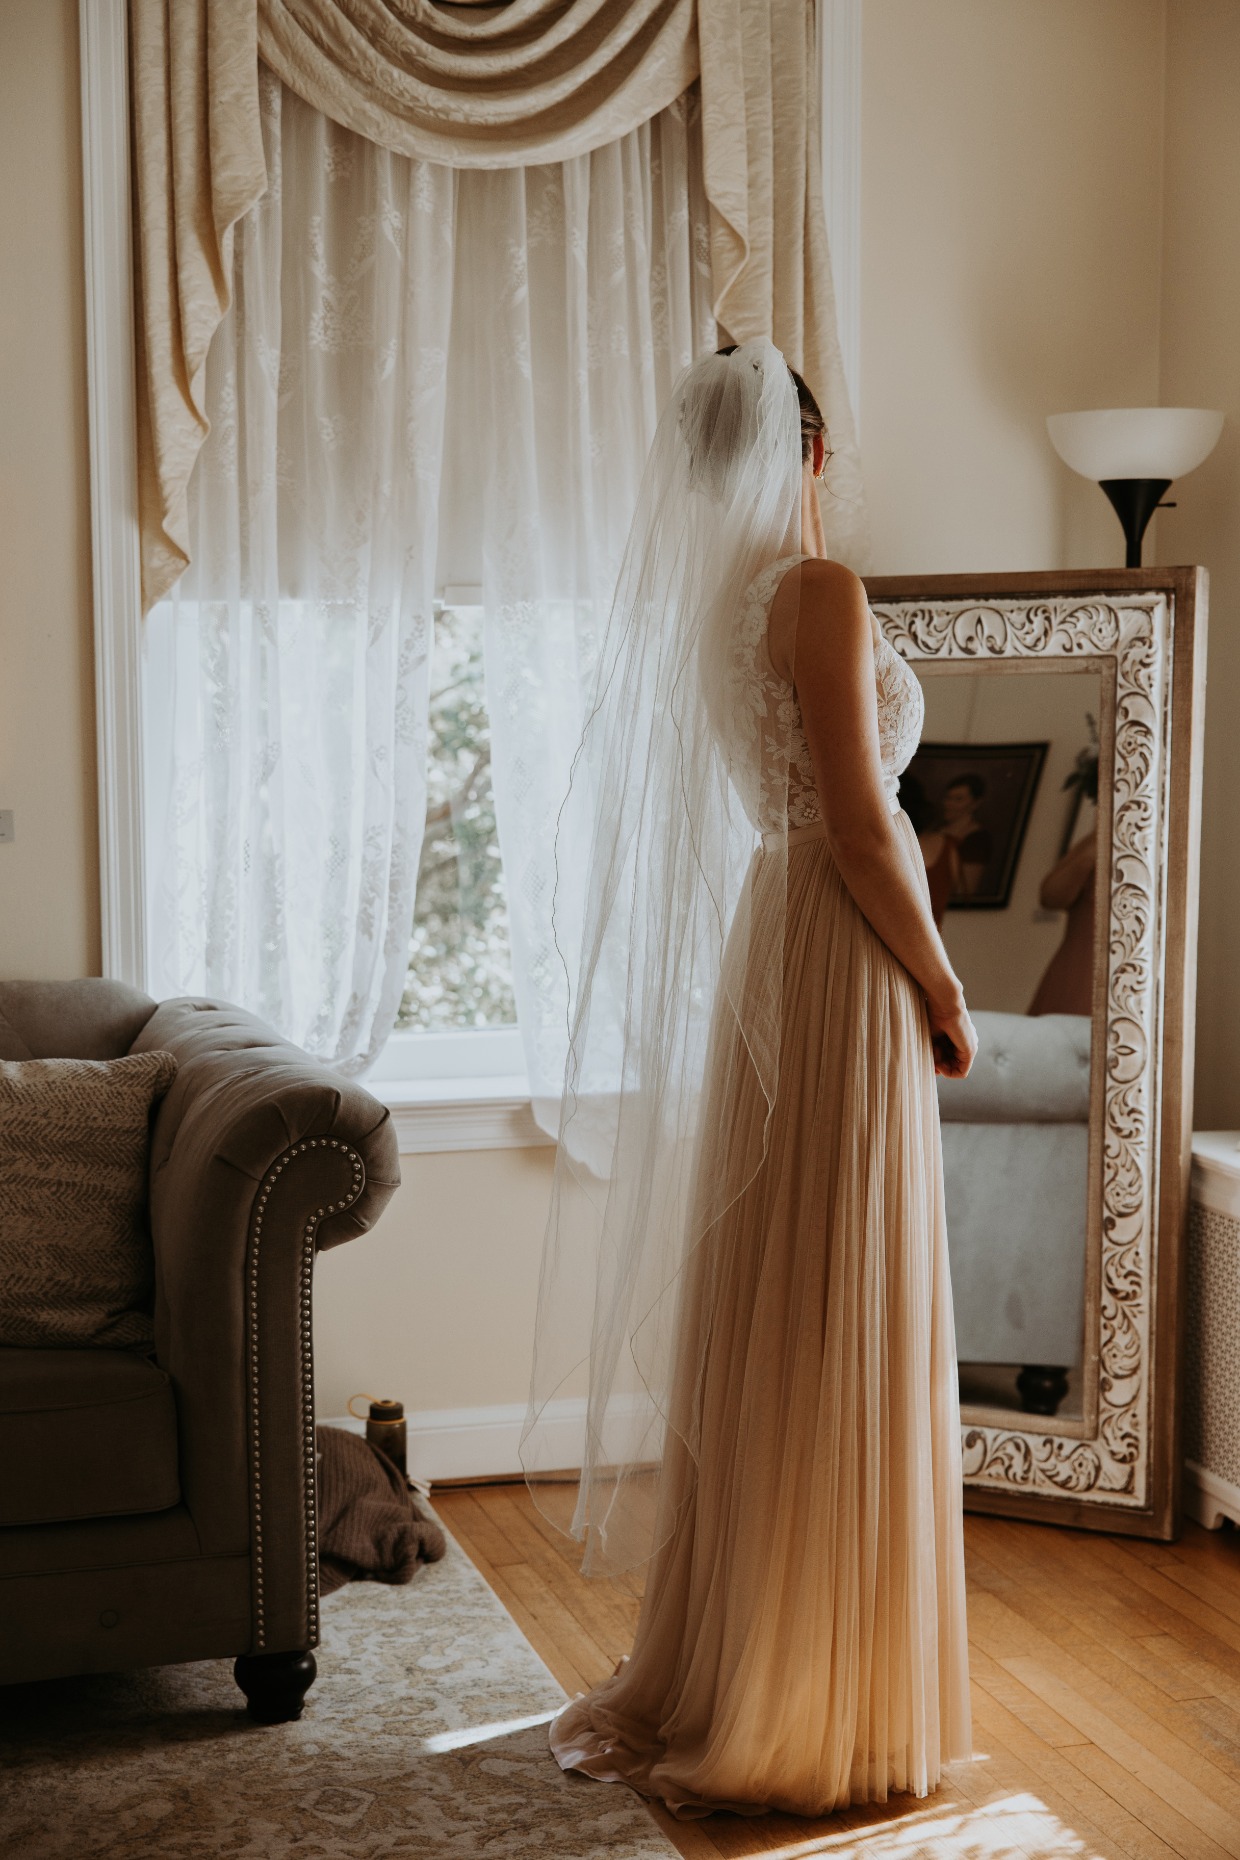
(1106, 1692)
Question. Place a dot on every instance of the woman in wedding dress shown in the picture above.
(750, 1173)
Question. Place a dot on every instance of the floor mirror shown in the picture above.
(1056, 797)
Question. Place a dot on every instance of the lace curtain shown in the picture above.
(471, 87)
(397, 326)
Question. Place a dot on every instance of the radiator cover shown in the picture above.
(1212, 1333)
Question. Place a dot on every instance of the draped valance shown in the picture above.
(497, 87)
(531, 82)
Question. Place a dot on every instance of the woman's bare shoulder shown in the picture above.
(817, 599)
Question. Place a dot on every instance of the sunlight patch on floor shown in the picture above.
(1013, 1827)
(483, 1733)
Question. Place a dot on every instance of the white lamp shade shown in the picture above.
(1135, 442)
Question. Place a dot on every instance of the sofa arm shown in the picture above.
(259, 1157)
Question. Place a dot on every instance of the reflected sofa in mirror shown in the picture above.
(1056, 797)
(1004, 794)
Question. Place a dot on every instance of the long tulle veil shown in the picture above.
(675, 969)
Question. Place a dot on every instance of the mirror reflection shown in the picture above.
(1003, 793)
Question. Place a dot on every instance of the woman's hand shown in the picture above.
(953, 1036)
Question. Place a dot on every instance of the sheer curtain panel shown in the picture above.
(583, 290)
(287, 674)
(397, 326)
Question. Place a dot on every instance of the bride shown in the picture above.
(746, 1262)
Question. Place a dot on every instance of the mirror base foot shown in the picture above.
(1041, 1387)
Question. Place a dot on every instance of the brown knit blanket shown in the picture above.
(369, 1525)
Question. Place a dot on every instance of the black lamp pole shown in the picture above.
(1135, 501)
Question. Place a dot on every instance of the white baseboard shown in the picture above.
(1208, 1498)
(483, 1443)
(462, 1443)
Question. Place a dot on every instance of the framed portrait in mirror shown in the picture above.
(970, 804)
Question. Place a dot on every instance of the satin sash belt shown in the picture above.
(813, 830)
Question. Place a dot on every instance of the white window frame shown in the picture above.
(447, 1062)
(465, 1090)
(103, 30)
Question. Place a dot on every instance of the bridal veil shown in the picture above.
(681, 766)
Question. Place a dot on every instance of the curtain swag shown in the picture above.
(540, 81)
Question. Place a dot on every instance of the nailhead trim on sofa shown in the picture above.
(305, 1372)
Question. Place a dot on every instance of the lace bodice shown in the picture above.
(901, 706)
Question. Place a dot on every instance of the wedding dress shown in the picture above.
(802, 1639)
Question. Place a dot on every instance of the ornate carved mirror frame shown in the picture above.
(1116, 1466)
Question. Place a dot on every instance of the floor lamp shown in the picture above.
(1135, 453)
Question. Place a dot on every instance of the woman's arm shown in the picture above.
(1066, 880)
(824, 641)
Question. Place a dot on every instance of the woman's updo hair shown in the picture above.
(813, 426)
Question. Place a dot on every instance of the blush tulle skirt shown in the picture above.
(801, 1644)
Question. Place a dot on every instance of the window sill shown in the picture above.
(430, 1115)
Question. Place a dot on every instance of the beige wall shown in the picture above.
(49, 880)
(436, 1308)
(1010, 267)
(1012, 218)
(1201, 368)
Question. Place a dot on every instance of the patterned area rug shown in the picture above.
(424, 1735)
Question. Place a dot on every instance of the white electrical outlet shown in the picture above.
(7, 829)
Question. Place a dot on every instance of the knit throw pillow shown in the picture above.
(76, 1263)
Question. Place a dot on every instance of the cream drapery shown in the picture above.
(542, 80)
(198, 166)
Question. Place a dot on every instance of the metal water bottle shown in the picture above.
(385, 1431)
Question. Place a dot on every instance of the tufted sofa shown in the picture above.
(1015, 1163)
(159, 1509)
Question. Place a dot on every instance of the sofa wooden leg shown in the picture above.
(1042, 1387)
(275, 1684)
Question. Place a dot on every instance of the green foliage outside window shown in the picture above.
(460, 961)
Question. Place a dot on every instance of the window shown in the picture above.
(456, 1020)
(456, 1034)
(460, 958)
